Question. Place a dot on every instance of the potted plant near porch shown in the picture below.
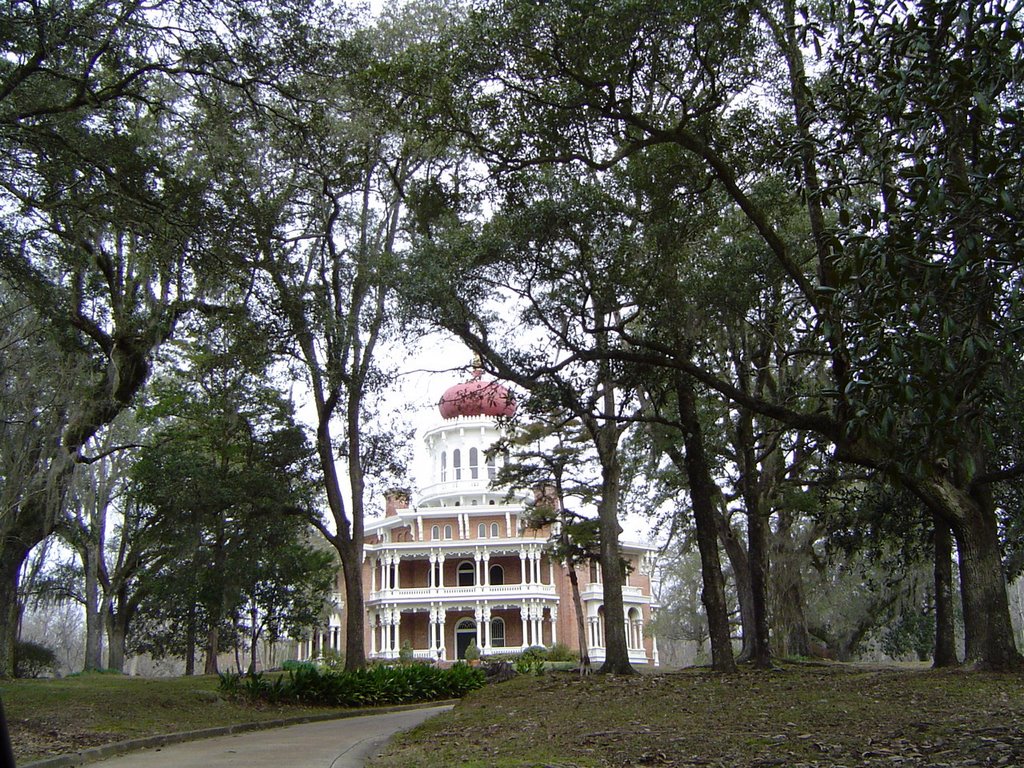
(473, 654)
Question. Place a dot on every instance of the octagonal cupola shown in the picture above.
(476, 398)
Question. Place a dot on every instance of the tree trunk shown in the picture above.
(757, 539)
(212, 649)
(352, 567)
(12, 556)
(93, 608)
(702, 493)
(738, 561)
(581, 623)
(945, 641)
(190, 642)
(988, 630)
(117, 639)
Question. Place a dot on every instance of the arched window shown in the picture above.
(481, 531)
(435, 533)
(444, 466)
(494, 530)
(595, 575)
(492, 469)
(497, 574)
(474, 463)
(498, 633)
(457, 464)
(467, 574)
(447, 531)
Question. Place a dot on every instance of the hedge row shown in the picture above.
(370, 687)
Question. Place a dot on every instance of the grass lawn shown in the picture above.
(809, 716)
(800, 716)
(52, 717)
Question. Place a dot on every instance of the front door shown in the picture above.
(465, 633)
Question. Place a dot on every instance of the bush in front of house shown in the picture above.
(370, 687)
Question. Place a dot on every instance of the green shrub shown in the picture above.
(293, 664)
(562, 652)
(332, 660)
(33, 659)
(373, 686)
(472, 652)
(531, 660)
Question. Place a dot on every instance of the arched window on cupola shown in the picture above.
(444, 466)
(474, 463)
(492, 468)
(457, 464)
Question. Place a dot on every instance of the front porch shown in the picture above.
(442, 633)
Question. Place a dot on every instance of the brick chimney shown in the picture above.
(394, 500)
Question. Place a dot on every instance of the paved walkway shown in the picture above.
(343, 743)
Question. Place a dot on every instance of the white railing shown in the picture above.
(444, 593)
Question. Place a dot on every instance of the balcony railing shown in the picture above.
(415, 594)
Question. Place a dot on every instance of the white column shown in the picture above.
(536, 566)
(440, 570)
(398, 560)
(476, 570)
(442, 617)
(538, 632)
(373, 576)
(373, 634)
(551, 570)
(508, 525)
(554, 623)
(478, 614)
(486, 628)
(522, 620)
(430, 577)
(654, 647)
(432, 630)
(419, 527)
(487, 569)
(524, 576)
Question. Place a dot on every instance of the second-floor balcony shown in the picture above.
(463, 593)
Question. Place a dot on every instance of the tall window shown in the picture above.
(492, 469)
(435, 533)
(447, 531)
(498, 633)
(481, 531)
(467, 574)
(497, 574)
(474, 463)
(444, 466)
(494, 530)
(457, 464)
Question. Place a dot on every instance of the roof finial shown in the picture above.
(478, 365)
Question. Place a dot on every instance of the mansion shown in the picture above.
(458, 564)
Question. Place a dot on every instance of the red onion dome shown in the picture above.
(477, 398)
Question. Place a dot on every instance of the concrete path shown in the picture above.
(344, 743)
